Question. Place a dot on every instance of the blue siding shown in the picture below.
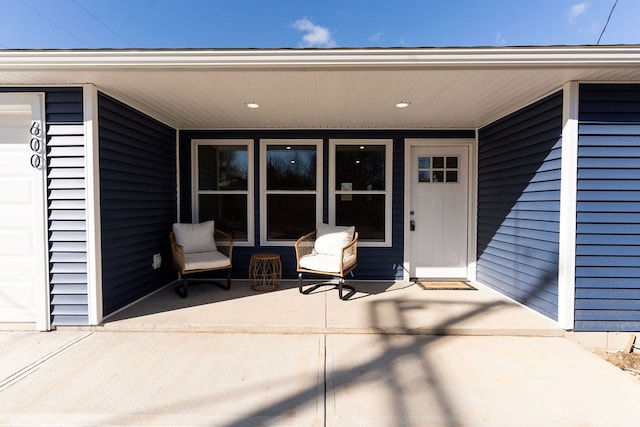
(519, 205)
(608, 210)
(65, 204)
(373, 263)
(138, 202)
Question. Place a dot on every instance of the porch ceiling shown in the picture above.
(324, 89)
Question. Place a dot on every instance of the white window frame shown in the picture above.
(195, 191)
(264, 143)
(387, 192)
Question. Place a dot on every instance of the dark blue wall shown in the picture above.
(608, 217)
(373, 263)
(66, 205)
(519, 205)
(137, 201)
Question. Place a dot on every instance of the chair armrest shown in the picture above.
(224, 242)
(177, 252)
(349, 252)
(304, 246)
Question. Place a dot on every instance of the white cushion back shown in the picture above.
(330, 239)
(195, 237)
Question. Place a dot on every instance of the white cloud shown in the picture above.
(316, 36)
(499, 40)
(576, 11)
(376, 37)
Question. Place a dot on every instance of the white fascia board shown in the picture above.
(321, 58)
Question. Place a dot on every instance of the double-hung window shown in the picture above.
(360, 188)
(290, 189)
(223, 186)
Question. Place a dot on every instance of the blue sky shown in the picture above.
(329, 23)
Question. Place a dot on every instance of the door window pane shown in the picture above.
(438, 169)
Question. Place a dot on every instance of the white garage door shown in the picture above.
(22, 242)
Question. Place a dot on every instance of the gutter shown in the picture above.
(297, 59)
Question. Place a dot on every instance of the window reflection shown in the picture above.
(222, 167)
(289, 216)
(366, 212)
(291, 167)
(229, 211)
(361, 166)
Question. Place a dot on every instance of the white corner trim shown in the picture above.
(568, 207)
(42, 294)
(94, 239)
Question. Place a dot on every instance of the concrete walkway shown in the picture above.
(136, 370)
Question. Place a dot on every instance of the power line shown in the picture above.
(607, 23)
(54, 23)
(101, 22)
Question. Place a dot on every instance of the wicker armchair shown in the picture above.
(328, 251)
(188, 258)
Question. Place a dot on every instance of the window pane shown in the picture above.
(289, 216)
(360, 167)
(452, 162)
(438, 162)
(222, 167)
(424, 162)
(364, 211)
(438, 176)
(229, 211)
(452, 176)
(424, 176)
(291, 167)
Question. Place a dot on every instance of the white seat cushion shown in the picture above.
(330, 239)
(324, 262)
(205, 260)
(195, 237)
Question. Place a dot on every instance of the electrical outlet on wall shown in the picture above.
(157, 261)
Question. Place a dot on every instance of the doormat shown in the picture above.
(463, 286)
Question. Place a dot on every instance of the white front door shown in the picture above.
(438, 213)
(22, 243)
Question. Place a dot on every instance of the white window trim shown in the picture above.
(388, 191)
(263, 185)
(195, 208)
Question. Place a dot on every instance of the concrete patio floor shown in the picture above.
(396, 355)
(377, 307)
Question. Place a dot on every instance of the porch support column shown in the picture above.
(92, 173)
(568, 206)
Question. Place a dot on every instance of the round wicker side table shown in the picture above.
(265, 272)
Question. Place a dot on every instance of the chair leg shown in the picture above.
(300, 283)
(228, 280)
(182, 289)
(341, 286)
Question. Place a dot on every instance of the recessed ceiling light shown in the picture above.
(252, 105)
(403, 104)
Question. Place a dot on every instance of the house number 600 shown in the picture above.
(36, 144)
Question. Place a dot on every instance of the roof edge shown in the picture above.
(321, 58)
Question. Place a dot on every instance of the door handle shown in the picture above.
(412, 225)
